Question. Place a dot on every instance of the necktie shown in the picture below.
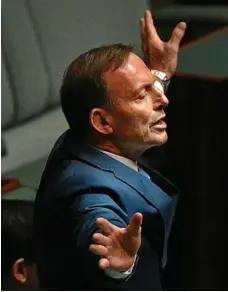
(164, 257)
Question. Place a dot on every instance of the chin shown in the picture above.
(164, 138)
(159, 140)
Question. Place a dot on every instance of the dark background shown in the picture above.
(195, 159)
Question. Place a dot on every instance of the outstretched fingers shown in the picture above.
(104, 263)
(99, 238)
(106, 227)
(178, 34)
(98, 249)
(150, 28)
(143, 35)
(134, 226)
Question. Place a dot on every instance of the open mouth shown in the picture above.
(159, 124)
(159, 121)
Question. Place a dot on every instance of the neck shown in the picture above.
(122, 149)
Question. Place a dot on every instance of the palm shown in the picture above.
(117, 246)
(122, 249)
(158, 54)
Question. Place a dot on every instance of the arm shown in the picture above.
(88, 208)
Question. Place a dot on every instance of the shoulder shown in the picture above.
(80, 175)
(70, 176)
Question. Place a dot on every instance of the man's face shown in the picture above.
(136, 105)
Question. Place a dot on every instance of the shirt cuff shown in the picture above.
(120, 275)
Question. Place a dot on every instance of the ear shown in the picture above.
(20, 271)
(100, 120)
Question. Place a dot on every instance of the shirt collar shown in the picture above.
(130, 163)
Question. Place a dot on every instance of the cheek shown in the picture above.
(140, 124)
(143, 118)
(128, 126)
(144, 111)
(134, 119)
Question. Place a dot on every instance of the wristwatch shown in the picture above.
(163, 77)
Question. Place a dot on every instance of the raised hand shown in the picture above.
(160, 55)
(117, 246)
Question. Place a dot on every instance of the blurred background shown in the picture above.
(41, 37)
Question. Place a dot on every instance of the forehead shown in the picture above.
(129, 77)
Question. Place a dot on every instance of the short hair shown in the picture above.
(17, 233)
(83, 87)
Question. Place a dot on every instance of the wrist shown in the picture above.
(166, 72)
(122, 274)
(161, 68)
(131, 266)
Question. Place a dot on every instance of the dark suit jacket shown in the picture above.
(80, 184)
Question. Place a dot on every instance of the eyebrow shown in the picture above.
(138, 90)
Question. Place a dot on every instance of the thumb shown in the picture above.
(134, 226)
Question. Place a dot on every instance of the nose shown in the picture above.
(160, 100)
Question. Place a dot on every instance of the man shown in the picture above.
(18, 252)
(103, 222)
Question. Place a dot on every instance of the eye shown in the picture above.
(142, 96)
